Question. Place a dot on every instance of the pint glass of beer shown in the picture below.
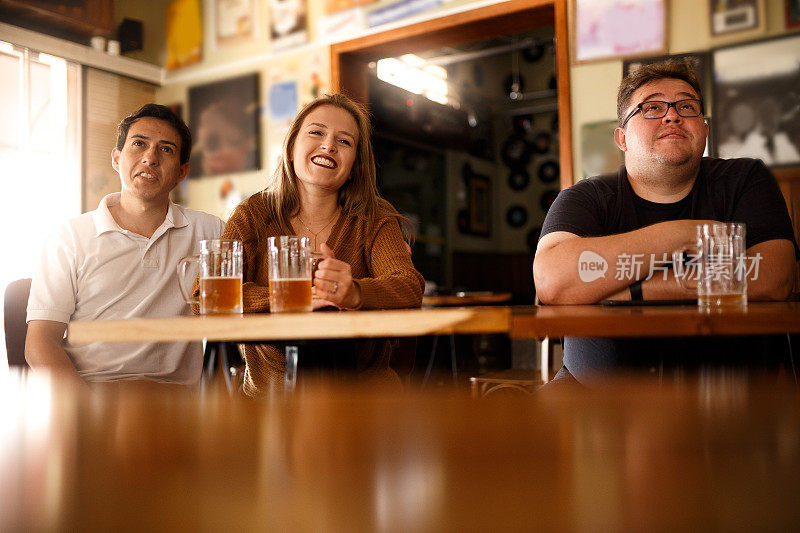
(289, 274)
(220, 277)
(717, 262)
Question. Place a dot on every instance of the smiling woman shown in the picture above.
(325, 189)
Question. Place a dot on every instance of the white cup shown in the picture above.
(113, 48)
(98, 43)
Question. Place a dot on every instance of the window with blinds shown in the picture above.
(109, 98)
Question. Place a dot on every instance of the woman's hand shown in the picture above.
(333, 281)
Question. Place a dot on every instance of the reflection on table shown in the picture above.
(720, 453)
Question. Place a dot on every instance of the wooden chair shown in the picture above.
(16, 328)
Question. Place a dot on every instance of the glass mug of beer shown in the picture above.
(289, 274)
(717, 262)
(220, 277)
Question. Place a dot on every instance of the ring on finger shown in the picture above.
(335, 287)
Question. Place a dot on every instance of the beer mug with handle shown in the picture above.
(717, 262)
(289, 274)
(220, 277)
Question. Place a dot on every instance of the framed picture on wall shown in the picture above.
(735, 16)
(792, 14)
(235, 21)
(757, 100)
(610, 29)
(223, 118)
(699, 59)
(600, 154)
(480, 202)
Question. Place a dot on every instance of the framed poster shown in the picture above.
(757, 100)
(609, 29)
(224, 120)
(734, 16)
(480, 204)
(288, 23)
(600, 154)
(699, 59)
(184, 33)
(235, 21)
(792, 14)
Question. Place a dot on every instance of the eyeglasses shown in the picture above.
(691, 107)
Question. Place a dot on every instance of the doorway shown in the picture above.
(460, 198)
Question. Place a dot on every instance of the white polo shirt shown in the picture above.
(91, 269)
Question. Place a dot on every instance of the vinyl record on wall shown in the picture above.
(548, 171)
(516, 152)
(516, 216)
(534, 53)
(541, 142)
(522, 123)
(519, 179)
(547, 199)
(532, 238)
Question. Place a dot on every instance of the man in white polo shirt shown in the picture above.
(119, 261)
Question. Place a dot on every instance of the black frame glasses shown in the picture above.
(674, 104)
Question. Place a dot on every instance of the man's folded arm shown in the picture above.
(771, 270)
(558, 279)
(44, 347)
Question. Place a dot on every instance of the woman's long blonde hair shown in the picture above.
(357, 197)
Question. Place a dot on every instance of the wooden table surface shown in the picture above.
(466, 298)
(518, 321)
(760, 318)
(718, 454)
(291, 326)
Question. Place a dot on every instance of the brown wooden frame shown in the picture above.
(350, 59)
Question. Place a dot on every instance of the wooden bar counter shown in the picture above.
(717, 454)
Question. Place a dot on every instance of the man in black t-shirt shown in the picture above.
(652, 207)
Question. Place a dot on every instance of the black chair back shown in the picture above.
(16, 328)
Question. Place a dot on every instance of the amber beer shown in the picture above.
(722, 301)
(290, 295)
(220, 295)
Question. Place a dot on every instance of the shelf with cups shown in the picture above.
(85, 55)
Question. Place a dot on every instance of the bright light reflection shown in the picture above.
(410, 72)
(408, 494)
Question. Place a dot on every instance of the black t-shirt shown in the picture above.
(727, 190)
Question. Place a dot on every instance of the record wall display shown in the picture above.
(519, 179)
(548, 171)
(516, 152)
(541, 142)
(532, 238)
(516, 216)
(547, 199)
